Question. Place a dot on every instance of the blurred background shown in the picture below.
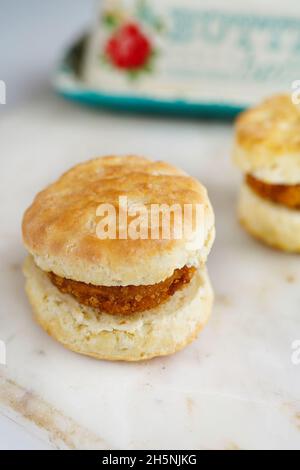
(231, 52)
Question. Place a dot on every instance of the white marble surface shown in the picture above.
(235, 387)
(16, 437)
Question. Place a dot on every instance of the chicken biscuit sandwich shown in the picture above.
(111, 273)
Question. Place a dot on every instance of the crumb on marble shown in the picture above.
(297, 417)
(40, 352)
(290, 278)
(232, 446)
(15, 267)
(190, 405)
(224, 300)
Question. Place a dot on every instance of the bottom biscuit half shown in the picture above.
(156, 332)
(273, 224)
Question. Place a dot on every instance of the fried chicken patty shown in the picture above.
(124, 300)
(288, 196)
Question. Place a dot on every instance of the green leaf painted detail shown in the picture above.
(110, 20)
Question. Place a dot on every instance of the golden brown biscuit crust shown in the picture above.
(273, 126)
(267, 143)
(59, 228)
(118, 300)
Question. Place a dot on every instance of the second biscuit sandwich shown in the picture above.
(267, 150)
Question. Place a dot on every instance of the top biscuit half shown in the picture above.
(61, 227)
(267, 143)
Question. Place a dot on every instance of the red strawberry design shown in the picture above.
(128, 48)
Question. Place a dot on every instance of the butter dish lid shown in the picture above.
(204, 58)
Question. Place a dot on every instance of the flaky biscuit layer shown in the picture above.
(157, 332)
(271, 223)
